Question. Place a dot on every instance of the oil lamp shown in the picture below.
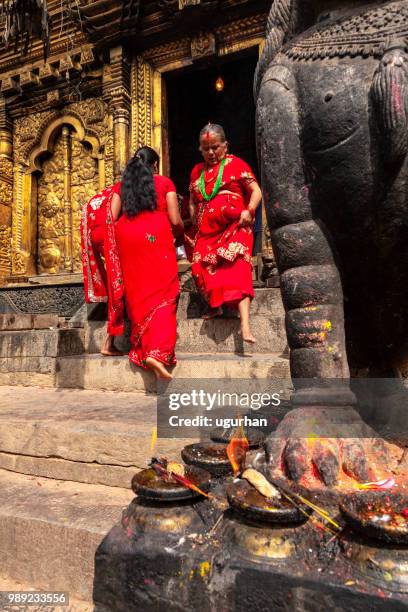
(219, 84)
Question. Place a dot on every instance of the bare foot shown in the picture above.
(158, 368)
(112, 352)
(212, 313)
(247, 336)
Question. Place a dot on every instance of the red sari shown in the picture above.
(150, 274)
(222, 257)
(100, 263)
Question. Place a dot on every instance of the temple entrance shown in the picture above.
(193, 101)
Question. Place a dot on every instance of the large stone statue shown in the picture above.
(332, 129)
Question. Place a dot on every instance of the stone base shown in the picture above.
(165, 558)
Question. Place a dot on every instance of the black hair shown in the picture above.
(137, 186)
(215, 129)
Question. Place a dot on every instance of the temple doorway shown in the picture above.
(193, 100)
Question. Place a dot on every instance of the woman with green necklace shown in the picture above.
(224, 196)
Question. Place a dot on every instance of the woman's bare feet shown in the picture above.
(247, 336)
(246, 333)
(212, 314)
(109, 349)
(158, 368)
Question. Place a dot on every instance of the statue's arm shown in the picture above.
(310, 281)
(390, 97)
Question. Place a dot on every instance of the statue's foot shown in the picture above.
(320, 447)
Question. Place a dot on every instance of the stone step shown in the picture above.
(93, 437)
(41, 343)
(50, 530)
(266, 302)
(28, 356)
(196, 335)
(10, 322)
(118, 374)
(220, 335)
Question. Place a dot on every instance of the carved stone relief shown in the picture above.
(69, 176)
(142, 102)
(204, 45)
(51, 212)
(6, 200)
(84, 184)
(53, 199)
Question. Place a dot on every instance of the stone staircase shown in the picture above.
(47, 351)
(75, 426)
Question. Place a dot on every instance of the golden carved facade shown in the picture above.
(61, 158)
(56, 153)
(69, 178)
(6, 203)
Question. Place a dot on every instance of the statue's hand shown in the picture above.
(318, 447)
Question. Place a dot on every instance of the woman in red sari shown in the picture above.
(224, 196)
(101, 268)
(146, 250)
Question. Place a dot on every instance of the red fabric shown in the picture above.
(222, 263)
(163, 186)
(100, 263)
(146, 250)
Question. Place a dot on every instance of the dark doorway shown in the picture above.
(193, 101)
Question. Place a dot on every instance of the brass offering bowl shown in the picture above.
(208, 456)
(247, 502)
(150, 486)
(377, 515)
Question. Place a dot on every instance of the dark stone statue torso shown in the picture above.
(342, 88)
(332, 133)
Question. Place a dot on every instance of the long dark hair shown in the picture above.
(137, 189)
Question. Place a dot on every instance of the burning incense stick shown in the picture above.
(161, 471)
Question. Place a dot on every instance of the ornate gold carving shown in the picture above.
(241, 34)
(142, 103)
(79, 141)
(53, 96)
(6, 181)
(230, 38)
(184, 3)
(91, 111)
(51, 222)
(168, 54)
(19, 261)
(48, 73)
(28, 131)
(203, 45)
(5, 248)
(70, 178)
(50, 257)
(84, 184)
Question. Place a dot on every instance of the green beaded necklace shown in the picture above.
(217, 183)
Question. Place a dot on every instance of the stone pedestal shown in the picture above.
(181, 562)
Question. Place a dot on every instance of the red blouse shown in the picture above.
(236, 177)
